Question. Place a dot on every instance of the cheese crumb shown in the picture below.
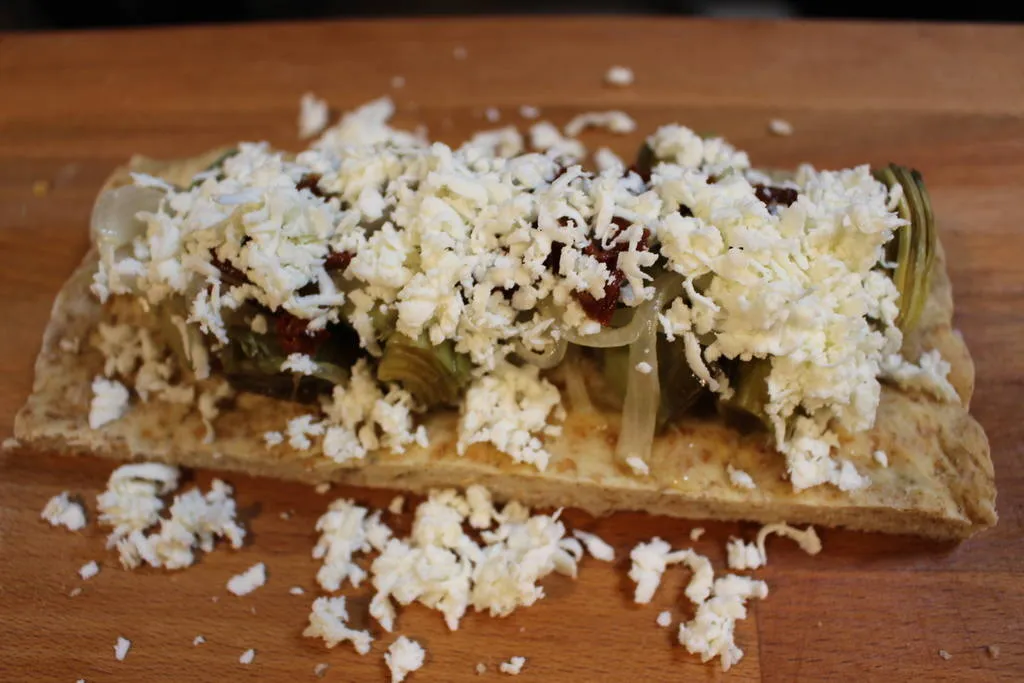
(300, 364)
(608, 161)
(614, 121)
(754, 555)
(198, 640)
(296, 590)
(644, 368)
(323, 487)
(403, 657)
(75, 592)
(345, 530)
(247, 656)
(596, 546)
(273, 438)
(638, 465)
(514, 666)
(945, 655)
(664, 619)
(780, 127)
(696, 533)
(711, 633)
(740, 479)
(249, 580)
(509, 408)
(492, 114)
(89, 570)
(328, 621)
(109, 402)
(620, 76)
(321, 669)
(396, 505)
(62, 511)
(881, 458)
(529, 112)
(313, 115)
(993, 651)
(121, 648)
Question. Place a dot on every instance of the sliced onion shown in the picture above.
(643, 394)
(608, 337)
(576, 388)
(114, 224)
(544, 360)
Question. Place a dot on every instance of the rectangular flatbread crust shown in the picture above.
(939, 481)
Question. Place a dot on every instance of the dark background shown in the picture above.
(67, 14)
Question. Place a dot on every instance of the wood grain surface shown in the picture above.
(946, 99)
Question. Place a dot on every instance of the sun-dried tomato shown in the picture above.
(293, 337)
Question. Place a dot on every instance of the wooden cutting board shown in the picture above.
(946, 99)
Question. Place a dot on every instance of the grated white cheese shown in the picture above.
(328, 621)
(614, 121)
(509, 408)
(638, 465)
(89, 570)
(273, 438)
(198, 640)
(247, 657)
(345, 530)
(322, 488)
(480, 668)
(396, 505)
(313, 115)
(711, 633)
(296, 590)
(513, 667)
(644, 368)
(249, 580)
(780, 127)
(492, 114)
(608, 161)
(881, 458)
(528, 111)
(620, 76)
(403, 657)
(649, 561)
(664, 619)
(321, 669)
(754, 555)
(740, 479)
(121, 648)
(930, 374)
(62, 511)
(596, 546)
(696, 533)
(109, 402)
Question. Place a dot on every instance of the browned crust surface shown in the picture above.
(939, 483)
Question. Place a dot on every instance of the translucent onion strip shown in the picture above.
(643, 395)
(544, 360)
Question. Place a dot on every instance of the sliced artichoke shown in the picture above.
(747, 404)
(434, 375)
(913, 246)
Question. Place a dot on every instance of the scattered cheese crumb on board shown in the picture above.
(322, 488)
(481, 668)
(247, 656)
(596, 546)
(296, 590)
(664, 619)
(513, 667)
(121, 648)
(945, 655)
(198, 640)
(780, 127)
(620, 76)
(696, 533)
(313, 115)
(75, 592)
(529, 112)
(249, 580)
(62, 511)
(89, 570)
(328, 621)
(403, 657)
(320, 669)
(396, 505)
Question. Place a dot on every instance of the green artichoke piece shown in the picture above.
(913, 246)
(680, 388)
(434, 375)
(746, 406)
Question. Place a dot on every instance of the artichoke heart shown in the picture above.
(434, 375)
(750, 394)
(913, 246)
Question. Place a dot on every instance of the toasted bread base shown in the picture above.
(939, 481)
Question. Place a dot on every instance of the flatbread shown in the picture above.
(939, 481)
